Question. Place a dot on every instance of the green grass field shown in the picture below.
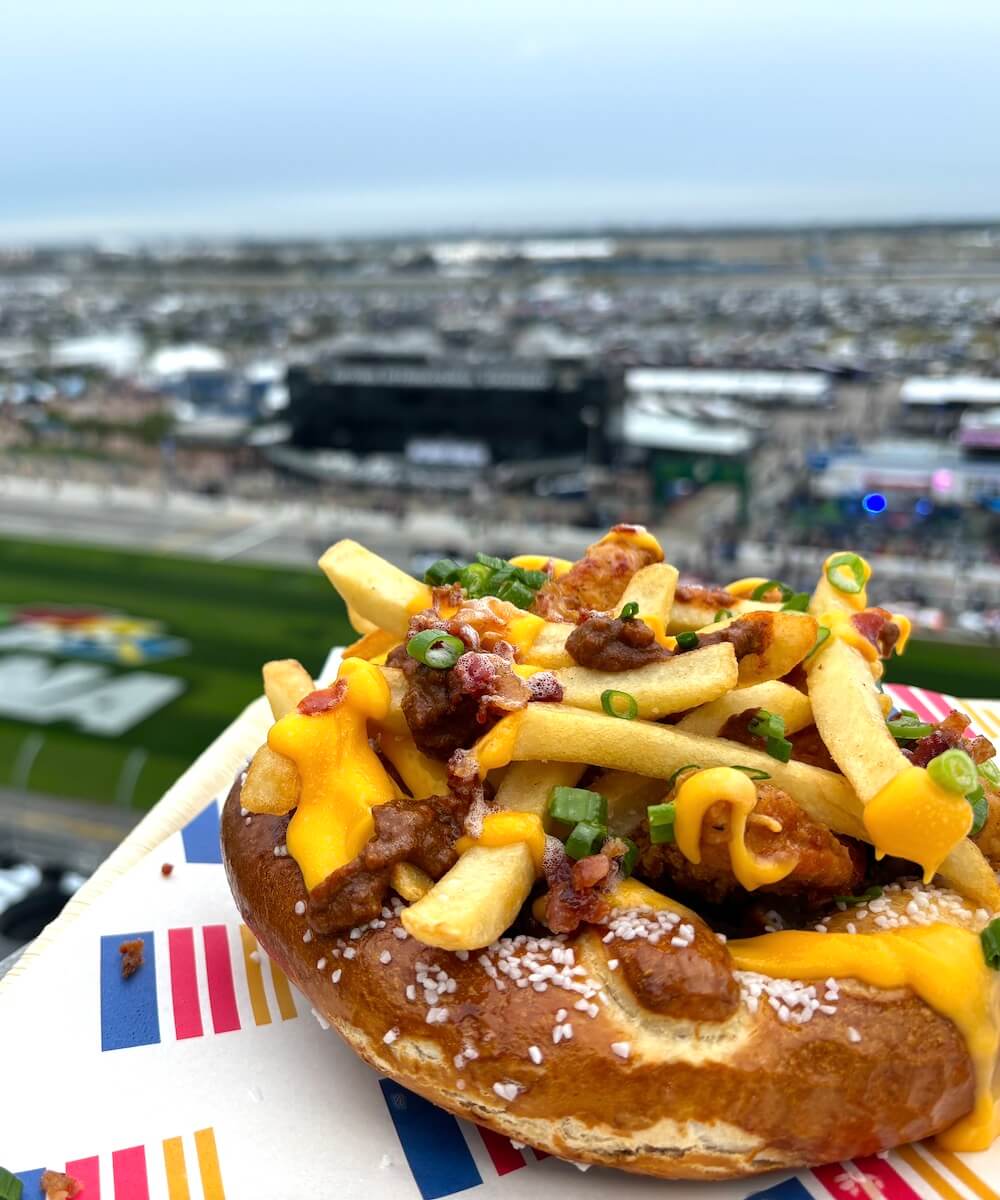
(235, 618)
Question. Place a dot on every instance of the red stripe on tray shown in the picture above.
(887, 1179)
(129, 1170)
(221, 990)
(184, 984)
(505, 1157)
(87, 1173)
(911, 698)
(837, 1181)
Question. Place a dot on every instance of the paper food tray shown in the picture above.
(207, 1076)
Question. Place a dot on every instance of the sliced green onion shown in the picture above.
(796, 602)
(989, 771)
(11, 1188)
(990, 938)
(680, 771)
(587, 838)
(953, 770)
(980, 810)
(629, 612)
(761, 590)
(872, 893)
(767, 725)
(661, 819)
(444, 571)
(846, 572)
(532, 579)
(687, 641)
(436, 649)
(908, 729)
(723, 614)
(491, 561)
(572, 804)
(475, 579)
(515, 592)
(753, 772)
(628, 860)
(822, 633)
(619, 704)
(779, 748)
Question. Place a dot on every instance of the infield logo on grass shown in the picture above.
(34, 689)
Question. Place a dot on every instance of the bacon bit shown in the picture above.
(568, 906)
(587, 872)
(323, 699)
(545, 688)
(949, 733)
(877, 626)
(166, 870)
(488, 679)
(132, 953)
(58, 1186)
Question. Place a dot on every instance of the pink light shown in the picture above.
(942, 480)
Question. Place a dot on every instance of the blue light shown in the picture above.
(874, 502)
(923, 508)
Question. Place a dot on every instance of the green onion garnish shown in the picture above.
(475, 580)
(515, 592)
(629, 612)
(846, 572)
(11, 1188)
(631, 856)
(821, 635)
(572, 804)
(687, 641)
(436, 649)
(619, 704)
(872, 893)
(722, 615)
(953, 770)
(680, 771)
(587, 838)
(796, 602)
(761, 590)
(661, 819)
(908, 729)
(989, 771)
(980, 810)
(767, 724)
(779, 748)
(990, 938)
(442, 572)
(532, 579)
(753, 772)
(491, 561)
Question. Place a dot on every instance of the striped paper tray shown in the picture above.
(207, 1076)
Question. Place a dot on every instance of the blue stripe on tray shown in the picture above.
(788, 1189)
(32, 1181)
(432, 1141)
(201, 837)
(128, 1006)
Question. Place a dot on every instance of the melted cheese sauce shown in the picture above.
(637, 536)
(743, 589)
(696, 795)
(538, 562)
(855, 600)
(943, 965)
(505, 828)
(341, 776)
(841, 626)
(913, 817)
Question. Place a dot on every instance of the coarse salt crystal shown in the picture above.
(323, 1022)
(391, 1036)
(385, 957)
(335, 977)
(535, 1054)
(853, 1035)
(622, 1049)
(321, 964)
(300, 907)
(307, 936)
(506, 1091)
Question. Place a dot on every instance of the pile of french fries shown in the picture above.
(551, 745)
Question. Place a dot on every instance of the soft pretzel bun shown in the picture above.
(658, 1092)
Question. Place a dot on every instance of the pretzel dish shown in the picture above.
(645, 875)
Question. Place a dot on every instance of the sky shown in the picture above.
(320, 117)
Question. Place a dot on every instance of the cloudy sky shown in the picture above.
(320, 116)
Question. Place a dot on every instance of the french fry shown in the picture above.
(471, 906)
(548, 650)
(527, 786)
(773, 695)
(410, 882)
(359, 624)
(558, 732)
(272, 783)
(787, 638)
(688, 616)
(371, 645)
(659, 688)
(652, 588)
(628, 797)
(373, 587)
(394, 721)
(423, 776)
(286, 682)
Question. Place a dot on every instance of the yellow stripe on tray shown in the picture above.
(286, 1005)
(916, 1162)
(255, 977)
(173, 1161)
(988, 723)
(208, 1165)
(963, 1173)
